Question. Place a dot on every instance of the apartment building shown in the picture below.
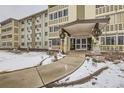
(112, 38)
(0, 35)
(34, 31)
(9, 33)
(62, 14)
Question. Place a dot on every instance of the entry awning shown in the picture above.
(83, 27)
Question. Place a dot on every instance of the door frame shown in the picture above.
(81, 43)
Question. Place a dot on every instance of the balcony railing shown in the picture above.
(105, 48)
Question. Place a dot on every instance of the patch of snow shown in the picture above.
(86, 69)
(10, 61)
(60, 55)
(113, 77)
(47, 61)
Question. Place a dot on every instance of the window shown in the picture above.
(9, 29)
(111, 7)
(103, 9)
(116, 27)
(39, 25)
(55, 15)
(65, 12)
(35, 26)
(22, 22)
(56, 28)
(22, 36)
(120, 6)
(22, 43)
(37, 29)
(46, 43)
(39, 43)
(111, 28)
(15, 23)
(29, 20)
(3, 37)
(107, 9)
(9, 36)
(45, 14)
(38, 21)
(51, 29)
(16, 30)
(39, 34)
(116, 7)
(46, 24)
(22, 29)
(100, 10)
(122, 17)
(56, 41)
(9, 44)
(38, 38)
(96, 11)
(120, 26)
(46, 33)
(102, 40)
(107, 28)
(51, 16)
(60, 13)
(15, 44)
(120, 40)
(98, 6)
(4, 44)
(110, 40)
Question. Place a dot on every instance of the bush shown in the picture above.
(95, 61)
(51, 53)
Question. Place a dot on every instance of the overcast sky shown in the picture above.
(19, 11)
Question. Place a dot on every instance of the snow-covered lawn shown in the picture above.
(86, 69)
(11, 61)
(111, 77)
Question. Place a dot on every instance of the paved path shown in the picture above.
(41, 75)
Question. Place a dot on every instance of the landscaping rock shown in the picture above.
(87, 58)
(123, 59)
(99, 58)
(116, 61)
(93, 83)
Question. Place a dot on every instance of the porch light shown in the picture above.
(62, 35)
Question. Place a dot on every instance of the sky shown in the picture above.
(19, 11)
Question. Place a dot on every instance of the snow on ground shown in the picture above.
(112, 77)
(50, 59)
(86, 69)
(11, 61)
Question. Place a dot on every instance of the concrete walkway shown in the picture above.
(41, 75)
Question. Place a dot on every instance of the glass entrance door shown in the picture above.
(81, 44)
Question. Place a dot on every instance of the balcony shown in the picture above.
(108, 48)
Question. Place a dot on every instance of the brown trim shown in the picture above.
(101, 20)
(66, 32)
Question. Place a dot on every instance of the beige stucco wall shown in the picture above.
(90, 11)
(72, 10)
(80, 12)
(0, 36)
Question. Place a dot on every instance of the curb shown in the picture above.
(82, 80)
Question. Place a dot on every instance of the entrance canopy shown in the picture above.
(84, 27)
